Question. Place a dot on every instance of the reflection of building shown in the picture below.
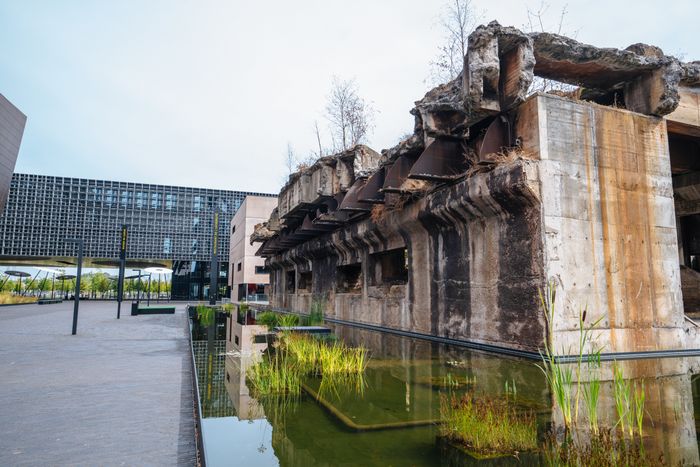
(247, 277)
(168, 225)
(11, 129)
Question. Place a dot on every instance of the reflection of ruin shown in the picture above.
(452, 231)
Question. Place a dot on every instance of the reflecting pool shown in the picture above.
(392, 417)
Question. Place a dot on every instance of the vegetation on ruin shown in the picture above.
(487, 425)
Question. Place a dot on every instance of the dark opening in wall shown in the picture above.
(305, 281)
(390, 267)
(291, 281)
(349, 278)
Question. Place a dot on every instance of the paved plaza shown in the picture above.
(117, 393)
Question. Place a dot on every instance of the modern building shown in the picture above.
(248, 277)
(12, 123)
(168, 226)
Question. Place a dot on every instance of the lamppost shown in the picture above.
(79, 242)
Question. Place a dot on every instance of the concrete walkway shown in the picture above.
(118, 393)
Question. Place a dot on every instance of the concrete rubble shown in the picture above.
(499, 190)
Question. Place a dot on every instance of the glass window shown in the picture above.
(166, 246)
(155, 200)
(139, 199)
(170, 201)
(197, 203)
(195, 222)
(194, 246)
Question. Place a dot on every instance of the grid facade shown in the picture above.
(165, 222)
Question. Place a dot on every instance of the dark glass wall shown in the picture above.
(191, 280)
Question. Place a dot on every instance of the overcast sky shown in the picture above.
(208, 93)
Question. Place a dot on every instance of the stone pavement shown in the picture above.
(117, 393)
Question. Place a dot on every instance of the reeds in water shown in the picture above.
(487, 425)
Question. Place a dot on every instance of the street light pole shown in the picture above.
(76, 304)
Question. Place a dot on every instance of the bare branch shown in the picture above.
(350, 117)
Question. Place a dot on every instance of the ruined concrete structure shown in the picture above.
(500, 190)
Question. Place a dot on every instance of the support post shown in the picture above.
(76, 304)
(214, 266)
(122, 267)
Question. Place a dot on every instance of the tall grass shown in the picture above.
(276, 373)
(559, 377)
(205, 314)
(300, 355)
(486, 425)
(318, 304)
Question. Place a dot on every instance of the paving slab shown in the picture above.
(117, 393)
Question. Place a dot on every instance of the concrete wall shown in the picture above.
(587, 203)
(609, 225)
(253, 210)
(12, 123)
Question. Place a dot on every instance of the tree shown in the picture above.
(349, 116)
(458, 20)
(291, 160)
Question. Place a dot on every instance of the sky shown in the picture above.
(210, 93)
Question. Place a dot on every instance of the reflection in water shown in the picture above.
(401, 390)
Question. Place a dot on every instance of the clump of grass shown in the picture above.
(7, 298)
(559, 377)
(268, 318)
(297, 355)
(629, 403)
(487, 425)
(288, 320)
(205, 314)
(276, 373)
(603, 450)
(315, 317)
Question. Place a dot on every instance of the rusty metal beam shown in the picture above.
(442, 160)
(350, 201)
(371, 192)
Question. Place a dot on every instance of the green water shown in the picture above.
(402, 385)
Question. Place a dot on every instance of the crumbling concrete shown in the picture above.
(454, 231)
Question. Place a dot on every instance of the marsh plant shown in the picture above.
(205, 314)
(296, 356)
(486, 425)
(318, 304)
(603, 448)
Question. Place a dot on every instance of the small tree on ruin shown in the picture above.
(457, 21)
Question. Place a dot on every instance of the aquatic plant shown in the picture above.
(639, 398)
(300, 355)
(486, 425)
(511, 389)
(559, 377)
(623, 398)
(603, 450)
(205, 314)
(318, 304)
(591, 393)
(276, 373)
(288, 320)
(268, 318)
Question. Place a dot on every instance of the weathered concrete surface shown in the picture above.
(610, 231)
(118, 393)
(461, 244)
(495, 194)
